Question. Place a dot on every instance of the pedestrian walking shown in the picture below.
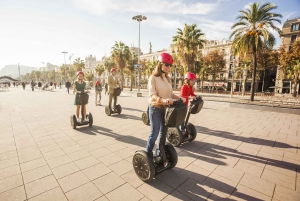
(60, 85)
(68, 85)
(98, 90)
(39, 85)
(32, 85)
(51, 84)
(55, 85)
(106, 87)
(23, 85)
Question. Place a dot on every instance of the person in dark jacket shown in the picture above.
(32, 85)
(68, 85)
(98, 90)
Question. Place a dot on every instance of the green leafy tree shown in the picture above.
(78, 64)
(89, 76)
(215, 62)
(187, 42)
(121, 55)
(290, 64)
(99, 69)
(251, 33)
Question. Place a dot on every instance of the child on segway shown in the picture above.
(78, 88)
(188, 91)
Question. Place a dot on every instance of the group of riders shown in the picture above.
(161, 95)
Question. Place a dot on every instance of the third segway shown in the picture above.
(175, 136)
(118, 108)
(165, 157)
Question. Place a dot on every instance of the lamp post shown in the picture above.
(139, 18)
(65, 64)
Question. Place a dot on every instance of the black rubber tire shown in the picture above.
(107, 111)
(119, 109)
(90, 119)
(145, 118)
(73, 121)
(171, 155)
(174, 136)
(143, 166)
(192, 131)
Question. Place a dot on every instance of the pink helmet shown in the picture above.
(190, 76)
(80, 72)
(165, 58)
(113, 70)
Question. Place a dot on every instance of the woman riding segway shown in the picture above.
(81, 99)
(145, 163)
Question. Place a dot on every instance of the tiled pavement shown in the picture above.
(239, 154)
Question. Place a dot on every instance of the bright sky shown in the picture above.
(35, 31)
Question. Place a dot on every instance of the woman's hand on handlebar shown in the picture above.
(169, 101)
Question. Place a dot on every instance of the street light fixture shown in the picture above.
(139, 18)
(65, 64)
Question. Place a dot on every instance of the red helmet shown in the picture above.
(190, 76)
(113, 70)
(80, 72)
(165, 58)
(97, 82)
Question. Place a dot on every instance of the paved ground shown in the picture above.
(239, 154)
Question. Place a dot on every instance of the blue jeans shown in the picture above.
(156, 117)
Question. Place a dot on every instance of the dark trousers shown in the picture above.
(68, 89)
(111, 96)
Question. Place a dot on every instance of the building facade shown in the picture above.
(290, 34)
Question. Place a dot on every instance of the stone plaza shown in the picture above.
(239, 154)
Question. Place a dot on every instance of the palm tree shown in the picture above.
(78, 64)
(38, 75)
(187, 42)
(251, 33)
(108, 64)
(130, 67)
(99, 69)
(121, 55)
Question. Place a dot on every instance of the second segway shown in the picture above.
(83, 97)
(165, 157)
(175, 136)
(117, 109)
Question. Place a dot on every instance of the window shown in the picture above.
(223, 51)
(221, 76)
(295, 27)
(293, 38)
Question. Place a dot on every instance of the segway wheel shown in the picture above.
(90, 119)
(174, 136)
(192, 131)
(73, 121)
(107, 111)
(119, 109)
(143, 166)
(145, 118)
(171, 155)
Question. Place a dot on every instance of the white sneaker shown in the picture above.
(78, 120)
(85, 119)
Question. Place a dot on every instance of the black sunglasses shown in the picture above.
(167, 64)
